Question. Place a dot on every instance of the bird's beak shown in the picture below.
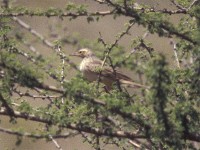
(74, 54)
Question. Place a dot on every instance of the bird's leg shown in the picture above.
(107, 90)
(118, 85)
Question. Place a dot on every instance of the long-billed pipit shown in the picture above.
(93, 70)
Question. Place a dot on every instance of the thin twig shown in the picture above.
(192, 4)
(41, 37)
(34, 32)
(87, 138)
(109, 48)
(137, 47)
(55, 142)
(26, 55)
(36, 136)
(93, 130)
(177, 5)
(62, 58)
(31, 58)
(130, 12)
(78, 127)
(42, 93)
(172, 42)
(63, 14)
(33, 96)
(134, 144)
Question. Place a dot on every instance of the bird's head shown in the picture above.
(83, 53)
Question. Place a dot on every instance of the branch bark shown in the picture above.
(78, 127)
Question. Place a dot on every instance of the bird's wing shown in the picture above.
(95, 66)
(107, 72)
(116, 75)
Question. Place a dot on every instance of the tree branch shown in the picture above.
(63, 14)
(5, 104)
(36, 136)
(42, 38)
(78, 127)
(131, 13)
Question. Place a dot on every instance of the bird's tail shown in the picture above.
(133, 84)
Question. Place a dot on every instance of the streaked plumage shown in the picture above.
(91, 67)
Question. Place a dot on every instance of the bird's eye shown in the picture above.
(82, 52)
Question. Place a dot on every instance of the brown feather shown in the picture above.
(91, 67)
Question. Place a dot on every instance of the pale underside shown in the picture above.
(92, 69)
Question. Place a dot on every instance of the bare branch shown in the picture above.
(109, 48)
(130, 12)
(62, 58)
(26, 55)
(87, 138)
(175, 52)
(30, 46)
(5, 104)
(55, 142)
(134, 144)
(34, 32)
(178, 34)
(64, 14)
(38, 35)
(92, 130)
(36, 136)
(177, 5)
(33, 96)
(78, 127)
(50, 88)
(192, 4)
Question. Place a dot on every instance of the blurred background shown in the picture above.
(53, 29)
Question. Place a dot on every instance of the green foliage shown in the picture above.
(4, 27)
(165, 113)
(25, 107)
(78, 84)
(184, 3)
(195, 91)
(115, 100)
(23, 74)
(78, 8)
(159, 78)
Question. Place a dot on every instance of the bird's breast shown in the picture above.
(84, 65)
(87, 70)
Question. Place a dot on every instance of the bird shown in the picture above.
(94, 69)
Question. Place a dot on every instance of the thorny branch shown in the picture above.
(40, 84)
(96, 131)
(62, 58)
(177, 5)
(109, 49)
(33, 31)
(192, 4)
(32, 59)
(172, 42)
(37, 136)
(28, 94)
(77, 127)
(135, 6)
(30, 47)
(119, 9)
(64, 14)
(55, 142)
(41, 37)
(131, 13)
